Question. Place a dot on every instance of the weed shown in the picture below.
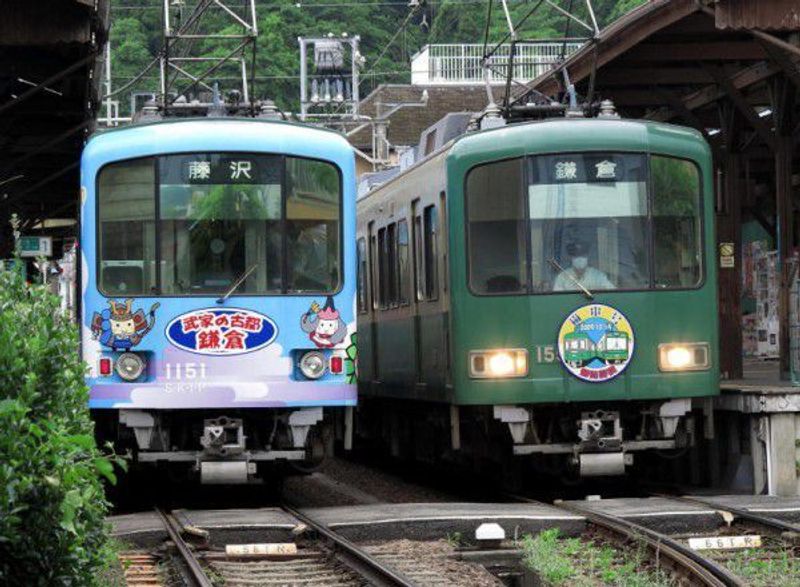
(581, 562)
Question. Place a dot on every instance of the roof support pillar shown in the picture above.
(785, 229)
(729, 230)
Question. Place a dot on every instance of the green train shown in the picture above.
(542, 295)
(578, 349)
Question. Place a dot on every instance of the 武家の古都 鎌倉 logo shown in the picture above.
(213, 331)
(595, 343)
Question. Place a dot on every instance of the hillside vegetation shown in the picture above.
(136, 34)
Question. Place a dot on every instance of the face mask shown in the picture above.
(580, 263)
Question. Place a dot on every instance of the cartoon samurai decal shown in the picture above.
(325, 327)
(120, 329)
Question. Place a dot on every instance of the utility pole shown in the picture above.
(184, 74)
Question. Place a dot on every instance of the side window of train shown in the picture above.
(403, 264)
(431, 253)
(361, 251)
(391, 264)
(373, 268)
(419, 265)
(383, 282)
(127, 228)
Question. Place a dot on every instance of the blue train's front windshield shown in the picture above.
(194, 224)
(220, 216)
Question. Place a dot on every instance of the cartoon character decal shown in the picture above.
(324, 326)
(121, 329)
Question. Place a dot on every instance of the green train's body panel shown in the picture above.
(420, 350)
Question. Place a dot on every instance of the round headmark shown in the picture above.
(595, 343)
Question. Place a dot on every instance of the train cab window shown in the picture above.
(599, 221)
(126, 235)
(361, 251)
(219, 220)
(588, 222)
(677, 232)
(430, 253)
(312, 225)
(403, 265)
(497, 228)
(213, 218)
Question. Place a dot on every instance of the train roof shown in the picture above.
(565, 135)
(216, 134)
(575, 134)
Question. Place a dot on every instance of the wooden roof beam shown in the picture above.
(705, 51)
(647, 76)
(741, 80)
(741, 103)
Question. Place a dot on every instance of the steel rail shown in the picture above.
(768, 521)
(358, 560)
(704, 570)
(699, 569)
(195, 569)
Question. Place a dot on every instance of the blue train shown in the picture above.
(218, 292)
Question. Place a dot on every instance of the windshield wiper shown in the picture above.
(563, 271)
(236, 284)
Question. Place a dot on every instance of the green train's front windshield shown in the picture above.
(599, 221)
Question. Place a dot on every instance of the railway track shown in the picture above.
(328, 559)
(684, 564)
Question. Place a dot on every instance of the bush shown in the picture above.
(52, 504)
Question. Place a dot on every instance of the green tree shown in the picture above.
(387, 48)
(52, 505)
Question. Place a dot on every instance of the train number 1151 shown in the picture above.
(185, 370)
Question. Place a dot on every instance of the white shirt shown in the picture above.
(591, 279)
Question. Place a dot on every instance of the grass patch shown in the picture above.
(781, 569)
(588, 562)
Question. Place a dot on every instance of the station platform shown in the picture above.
(765, 410)
(664, 515)
(760, 376)
(430, 521)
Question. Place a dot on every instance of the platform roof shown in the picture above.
(49, 72)
(729, 69)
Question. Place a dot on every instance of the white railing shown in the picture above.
(463, 64)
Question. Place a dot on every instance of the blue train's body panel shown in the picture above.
(201, 353)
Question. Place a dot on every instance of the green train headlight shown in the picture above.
(683, 356)
(498, 363)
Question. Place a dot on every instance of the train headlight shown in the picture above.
(692, 356)
(498, 364)
(129, 366)
(312, 365)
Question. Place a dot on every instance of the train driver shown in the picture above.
(580, 272)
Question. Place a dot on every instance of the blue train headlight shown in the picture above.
(129, 366)
(679, 356)
(312, 364)
(498, 364)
